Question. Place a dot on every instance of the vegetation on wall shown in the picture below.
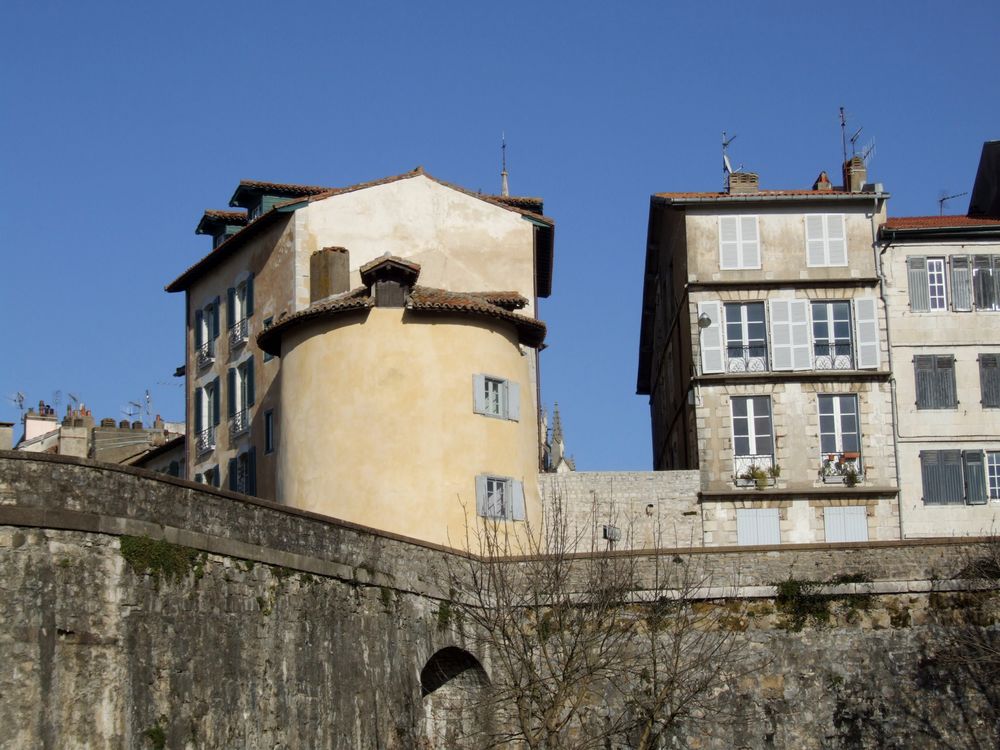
(161, 559)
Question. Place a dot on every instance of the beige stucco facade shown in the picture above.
(378, 426)
(969, 425)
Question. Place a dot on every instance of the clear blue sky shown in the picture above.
(121, 122)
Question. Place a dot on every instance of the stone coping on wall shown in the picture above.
(60, 492)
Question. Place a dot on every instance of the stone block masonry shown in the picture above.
(263, 627)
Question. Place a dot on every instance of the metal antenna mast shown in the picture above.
(727, 166)
(843, 132)
(944, 198)
(504, 190)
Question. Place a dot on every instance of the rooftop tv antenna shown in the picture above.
(134, 409)
(868, 153)
(74, 399)
(18, 400)
(504, 190)
(944, 197)
(843, 132)
(727, 166)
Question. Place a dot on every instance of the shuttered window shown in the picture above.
(831, 328)
(496, 397)
(746, 337)
(916, 279)
(846, 524)
(941, 473)
(986, 281)
(935, 381)
(866, 331)
(974, 464)
(758, 526)
(710, 337)
(936, 285)
(790, 335)
(961, 283)
(993, 474)
(501, 498)
(989, 380)
(826, 240)
(739, 243)
(752, 434)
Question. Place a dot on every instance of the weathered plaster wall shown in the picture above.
(286, 629)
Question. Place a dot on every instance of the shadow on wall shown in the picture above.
(452, 685)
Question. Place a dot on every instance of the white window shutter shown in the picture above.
(711, 338)
(479, 394)
(866, 329)
(481, 494)
(781, 335)
(836, 236)
(729, 242)
(815, 241)
(513, 401)
(517, 503)
(749, 242)
(801, 340)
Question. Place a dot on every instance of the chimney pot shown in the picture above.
(741, 183)
(855, 174)
(329, 272)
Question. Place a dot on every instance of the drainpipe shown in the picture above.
(879, 258)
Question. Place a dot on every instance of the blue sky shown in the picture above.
(122, 122)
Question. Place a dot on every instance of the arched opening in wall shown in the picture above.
(454, 687)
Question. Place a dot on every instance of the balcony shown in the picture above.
(205, 355)
(835, 356)
(755, 471)
(841, 468)
(752, 358)
(206, 441)
(239, 333)
(239, 423)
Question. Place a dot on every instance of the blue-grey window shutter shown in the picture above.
(252, 471)
(248, 311)
(199, 405)
(989, 380)
(481, 494)
(923, 374)
(961, 283)
(946, 393)
(215, 317)
(250, 386)
(198, 341)
(230, 307)
(954, 486)
(983, 287)
(479, 394)
(975, 477)
(231, 391)
(517, 504)
(513, 401)
(916, 274)
(232, 474)
(215, 403)
(930, 474)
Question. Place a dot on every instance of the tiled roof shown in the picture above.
(940, 222)
(409, 264)
(282, 188)
(421, 300)
(506, 300)
(229, 217)
(535, 205)
(835, 192)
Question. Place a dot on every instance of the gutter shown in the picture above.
(756, 198)
(894, 235)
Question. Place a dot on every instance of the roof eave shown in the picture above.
(956, 233)
(758, 198)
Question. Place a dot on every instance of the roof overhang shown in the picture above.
(819, 196)
(930, 234)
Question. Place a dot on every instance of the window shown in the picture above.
(753, 444)
(935, 381)
(989, 380)
(206, 331)
(831, 324)
(739, 244)
(241, 397)
(935, 284)
(268, 322)
(500, 498)
(839, 438)
(243, 472)
(746, 337)
(758, 526)
(206, 416)
(975, 283)
(826, 240)
(269, 431)
(986, 281)
(496, 397)
(846, 524)
(993, 474)
(961, 283)
(954, 477)
(240, 308)
(790, 334)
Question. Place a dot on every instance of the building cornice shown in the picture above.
(780, 376)
(815, 493)
(750, 284)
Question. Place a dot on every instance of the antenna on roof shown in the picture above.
(843, 132)
(74, 398)
(504, 190)
(868, 152)
(727, 166)
(18, 400)
(945, 197)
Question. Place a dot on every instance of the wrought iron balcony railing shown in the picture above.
(239, 423)
(205, 354)
(759, 470)
(841, 468)
(752, 358)
(206, 440)
(239, 333)
(834, 356)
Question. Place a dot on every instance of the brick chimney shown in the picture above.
(329, 272)
(741, 183)
(855, 174)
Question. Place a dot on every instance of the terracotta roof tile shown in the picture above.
(940, 222)
(762, 193)
(282, 188)
(415, 267)
(230, 217)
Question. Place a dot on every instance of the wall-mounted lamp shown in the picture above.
(704, 321)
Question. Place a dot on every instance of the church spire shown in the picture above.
(504, 190)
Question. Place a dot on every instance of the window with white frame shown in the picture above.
(739, 243)
(839, 437)
(496, 397)
(240, 308)
(753, 441)
(500, 498)
(746, 337)
(826, 240)
(206, 415)
(206, 331)
(241, 396)
(993, 474)
(832, 335)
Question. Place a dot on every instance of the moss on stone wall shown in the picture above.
(161, 559)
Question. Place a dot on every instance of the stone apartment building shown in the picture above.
(942, 278)
(293, 256)
(764, 354)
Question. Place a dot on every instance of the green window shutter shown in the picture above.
(517, 503)
(513, 401)
(479, 394)
(249, 300)
(923, 375)
(916, 274)
(989, 380)
(215, 403)
(231, 392)
(250, 386)
(975, 477)
(961, 283)
(198, 341)
(230, 307)
(215, 317)
(252, 471)
(232, 474)
(199, 401)
(481, 494)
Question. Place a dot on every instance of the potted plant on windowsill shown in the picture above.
(841, 469)
(758, 477)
